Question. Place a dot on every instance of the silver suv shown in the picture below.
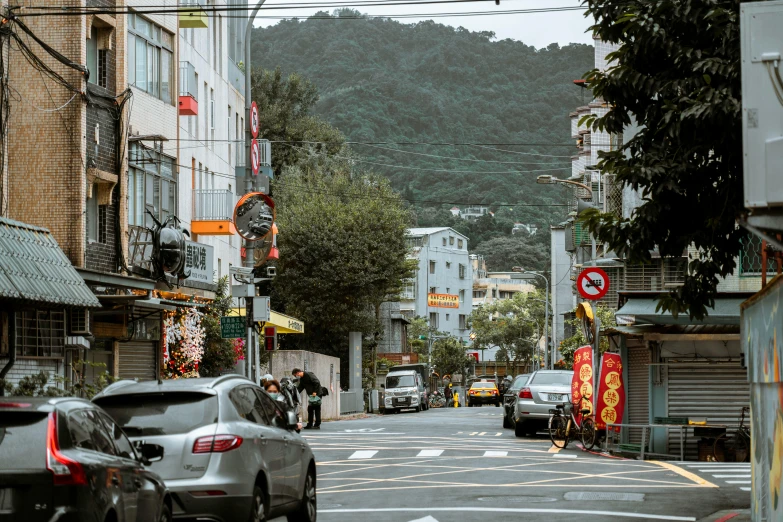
(230, 452)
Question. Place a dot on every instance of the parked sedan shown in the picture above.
(510, 399)
(231, 451)
(64, 459)
(543, 391)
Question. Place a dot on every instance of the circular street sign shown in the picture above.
(254, 123)
(592, 283)
(255, 156)
(254, 216)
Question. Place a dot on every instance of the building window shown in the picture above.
(411, 242)
(433, 290)
(462, 296)
(462, 322)
(462, 271)
(152, 186)
(150, 58)
(444, 241)
(92, 215)
(102, 223)
(212, 118)
(459, 243)
(750, 257)
(451, 240)
(40, 333)
(433, 320)
(494, 293)
(447, 317)
(408, 290)
(432, 267)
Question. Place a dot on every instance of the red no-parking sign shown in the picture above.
(592, 283)
(255, 156)
(254, 123)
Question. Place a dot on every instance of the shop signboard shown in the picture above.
(443, 300)
(611, 391)
(199, 260)
(582, 380)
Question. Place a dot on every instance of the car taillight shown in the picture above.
(66, 471)
(525, 393)
(216, 444)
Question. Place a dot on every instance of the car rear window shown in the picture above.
(519, 382)
(551, 378)
(161, 414)
(489, 385)
(23, 440)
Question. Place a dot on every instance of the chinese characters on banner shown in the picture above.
(582, 381)
(443, 300)
(611, 391)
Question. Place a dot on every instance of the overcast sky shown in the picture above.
(537, 29)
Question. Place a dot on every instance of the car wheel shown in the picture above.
(307, 510)
(165, 514)
(259, 509)
(519, 429)
(497, 405)
(418, 408)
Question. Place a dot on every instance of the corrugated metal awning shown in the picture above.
(679, 332)
(33, 268)
(643, 311)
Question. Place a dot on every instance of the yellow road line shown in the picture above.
(684, 473)
(554, 449)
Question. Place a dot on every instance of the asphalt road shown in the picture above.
(461, 465)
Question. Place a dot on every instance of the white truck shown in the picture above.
(404, 389)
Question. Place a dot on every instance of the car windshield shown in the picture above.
(161, 414)
(520, 381)
(485, 385)
(400, 381)
(551, 378)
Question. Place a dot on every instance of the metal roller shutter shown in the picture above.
(638, 390)
(139, 360)
(716, 392)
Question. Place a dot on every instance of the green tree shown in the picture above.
(503, 253)
(219, 353)
(342, 252)
(284, 106)
(677, 75)
(569, 345)
(449, 357)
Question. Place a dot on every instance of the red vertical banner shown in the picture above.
(582, 381)
(611, 391)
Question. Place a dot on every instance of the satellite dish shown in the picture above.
(254, 216)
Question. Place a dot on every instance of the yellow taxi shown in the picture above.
(483, 392)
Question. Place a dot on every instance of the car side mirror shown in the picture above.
(291, 420)
(149, 453)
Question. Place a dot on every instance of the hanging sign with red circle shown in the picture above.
(255, 156)
(592, 283)
(255, 124)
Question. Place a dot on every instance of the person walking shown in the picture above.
(309, 383)
(448, 393)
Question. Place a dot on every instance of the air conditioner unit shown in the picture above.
(79, 321)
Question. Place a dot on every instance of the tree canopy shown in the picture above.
(677, 76)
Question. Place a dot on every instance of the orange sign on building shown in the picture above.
(611, 391)
(443, 300)
(582, 381)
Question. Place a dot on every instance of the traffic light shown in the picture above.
(269, 338)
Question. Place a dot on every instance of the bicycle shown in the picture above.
(564, 427)
(736, 444)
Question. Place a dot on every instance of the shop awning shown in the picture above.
(284, 324)
(34, 269)
(642, 310)
(678, 332)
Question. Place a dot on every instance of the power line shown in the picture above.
(433, 143)
(457, 158)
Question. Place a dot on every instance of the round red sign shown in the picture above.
(592, 283)
(254, 123)
(255, 156)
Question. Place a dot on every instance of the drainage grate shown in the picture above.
(516, 500)
(589, 495)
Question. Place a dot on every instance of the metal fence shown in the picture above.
(351, 402)
(213, 204)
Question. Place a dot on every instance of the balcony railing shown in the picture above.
(187, 80)
(213, 205)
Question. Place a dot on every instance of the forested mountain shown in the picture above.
(388, 83)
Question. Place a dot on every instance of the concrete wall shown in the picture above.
(326, 368)
(393, 332)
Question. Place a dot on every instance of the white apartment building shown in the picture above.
(442, 289)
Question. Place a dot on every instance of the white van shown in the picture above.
(403, 390)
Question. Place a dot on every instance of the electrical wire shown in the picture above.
(432, 143)
(34, 106)
(523, 153)
(456, 158)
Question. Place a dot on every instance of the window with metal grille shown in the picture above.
(674, 270)
(613, 198)
(750, 257)
(102, 218)
(408, 290)
(462, 270)
(643, 277)
(40, 333)
(413, 242)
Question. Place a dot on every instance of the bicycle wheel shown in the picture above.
(731, 447)
(589, 433)
(557, 431)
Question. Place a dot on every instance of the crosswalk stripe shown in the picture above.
(717, 465)
(563, 456)
(731, 476)
(429, 453)
(363, 454)
(737, 482)
(496, 453)
(745, 489)
(727, 470)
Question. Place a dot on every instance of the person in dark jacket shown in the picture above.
(310, 384)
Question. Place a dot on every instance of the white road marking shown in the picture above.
(425, 519)
(363, 454)
(714, 470)
(731, 476)
(482, 433)
(563, 456)
(496, 453)
(366, 430)
(745, 489)
(612, 514)
(737, 482)
(429, 453)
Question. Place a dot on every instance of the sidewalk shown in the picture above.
(729, 515)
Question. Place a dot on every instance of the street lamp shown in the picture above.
(548, 363)
(551, 180)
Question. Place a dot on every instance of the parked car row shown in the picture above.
(531, 396)
(217, 449)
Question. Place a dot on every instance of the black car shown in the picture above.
(510, 397)
(64, 459)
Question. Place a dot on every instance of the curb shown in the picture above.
(728, 515)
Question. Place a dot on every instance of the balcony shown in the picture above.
(213, 212)
(192, 16)
(188, 90)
